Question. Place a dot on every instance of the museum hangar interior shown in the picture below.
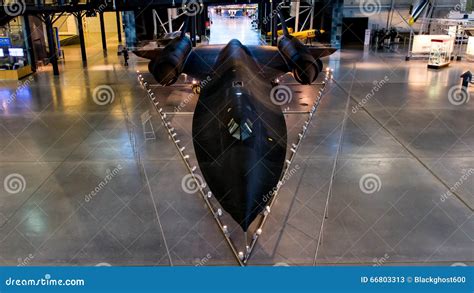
(207, 133)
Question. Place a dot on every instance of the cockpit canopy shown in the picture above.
(242, 130)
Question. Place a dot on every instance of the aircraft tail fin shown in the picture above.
(184, 29)
(417, 9)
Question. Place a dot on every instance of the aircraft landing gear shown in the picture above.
(196, 89)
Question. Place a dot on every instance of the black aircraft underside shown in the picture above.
(239, 135)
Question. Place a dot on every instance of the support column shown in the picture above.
(313, 8)
(201, 23)
(297, 16)
(82, 41)
(268, 22)
(193, 30)
(53, 56)
(205, 16)
(29, 43)
(389, 14)
(336, 27)
(129, 28)
(259, 15)
(198, 27)
(273, 23)
(119, 27)
(102, 33)
(170, 20)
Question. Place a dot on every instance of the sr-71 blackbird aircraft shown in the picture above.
(239, 134)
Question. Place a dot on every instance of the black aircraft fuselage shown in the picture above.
(239, 135)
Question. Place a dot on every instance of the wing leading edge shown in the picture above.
(201, 60)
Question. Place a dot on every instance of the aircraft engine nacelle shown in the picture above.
(304, 67)
(167, 68)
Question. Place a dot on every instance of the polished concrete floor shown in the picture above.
(80, 185)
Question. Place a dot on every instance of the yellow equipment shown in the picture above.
(302, 35)
(280, 32)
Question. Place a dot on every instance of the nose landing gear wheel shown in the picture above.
(196, 89)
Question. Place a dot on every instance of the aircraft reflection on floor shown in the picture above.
(239, 131)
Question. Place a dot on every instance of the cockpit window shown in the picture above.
(237, 84)
(234, 128)
(242, 131)
(246, 130)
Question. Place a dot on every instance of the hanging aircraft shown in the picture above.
(416, 10)
(304, 36)
(239, 135)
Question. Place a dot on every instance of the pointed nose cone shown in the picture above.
(241, 155)
(244, 190)
(242, 180)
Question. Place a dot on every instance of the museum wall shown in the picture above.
(92, 24)
(68, 24)
(352, 8)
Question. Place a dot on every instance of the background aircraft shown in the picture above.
(416, 9)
